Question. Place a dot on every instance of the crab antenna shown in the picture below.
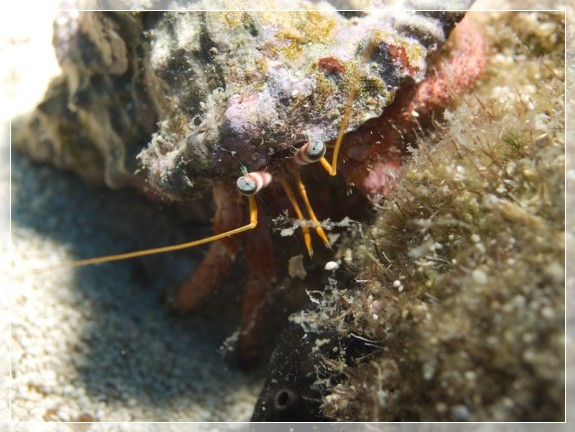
(311, 152)
(302, 191)
(128, 255)
(332, 168)
(291, 196)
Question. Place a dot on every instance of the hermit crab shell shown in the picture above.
(182, 100)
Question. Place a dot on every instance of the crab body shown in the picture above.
(176, 104)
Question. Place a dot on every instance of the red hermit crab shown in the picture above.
(180, 103)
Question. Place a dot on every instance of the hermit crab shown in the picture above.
(177, 104)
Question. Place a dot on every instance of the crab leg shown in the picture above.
(261, 263)
(221, 255)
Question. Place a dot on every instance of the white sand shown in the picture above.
(98, 342)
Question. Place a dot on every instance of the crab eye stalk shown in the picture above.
(251, 183)
(310, 152)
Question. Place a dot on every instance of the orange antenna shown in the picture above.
(248, 184)
(331, 168)
(291, 196)
(303, 194)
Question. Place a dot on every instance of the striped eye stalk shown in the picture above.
(310, 152)
(252, 182)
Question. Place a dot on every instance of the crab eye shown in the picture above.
(310, 152)
(251, 183)
(316, 150)
(246, 186)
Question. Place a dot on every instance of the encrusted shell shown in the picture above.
(185, 99)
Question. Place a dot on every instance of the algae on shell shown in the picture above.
(181, 100)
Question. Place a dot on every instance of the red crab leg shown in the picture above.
(221, 255)
(261, 262)
(375, 151)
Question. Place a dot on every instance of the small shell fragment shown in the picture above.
(331, 265)
(296, 267)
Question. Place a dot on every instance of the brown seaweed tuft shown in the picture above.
(460, 281)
